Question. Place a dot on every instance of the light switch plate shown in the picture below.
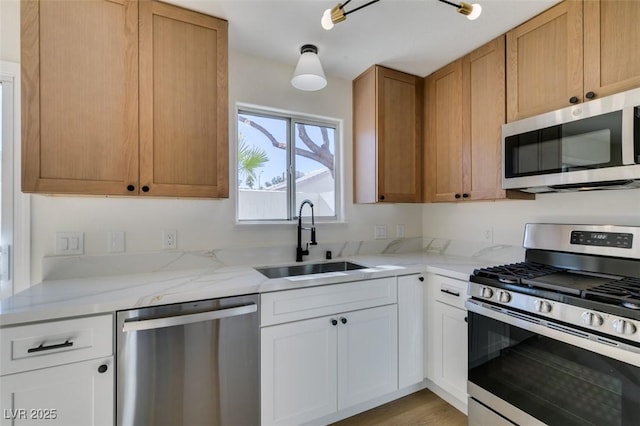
(380, 232)
(400, 231)
(116, 242)
(69, 243)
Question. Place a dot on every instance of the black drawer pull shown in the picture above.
(453, 293)
(42, 347)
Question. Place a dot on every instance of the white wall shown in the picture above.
(203, 224)
(467, 220)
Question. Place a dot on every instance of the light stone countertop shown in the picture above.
(206, 277)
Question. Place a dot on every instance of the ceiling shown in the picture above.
(415, 36)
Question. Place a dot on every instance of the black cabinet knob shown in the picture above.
(457, 196)
(420, 279)
(334, 321)
(465, 195)
(131, 188)
(145, 188)
(573, 100)
(103, 368)
(343, 320)
(590, 95)
(465, 319)
(382, 198)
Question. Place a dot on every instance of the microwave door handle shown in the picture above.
(627, 136)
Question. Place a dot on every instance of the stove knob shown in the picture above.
(542, 306)
(486, 292)
(592, 319)
(624, 327)
(504, 296)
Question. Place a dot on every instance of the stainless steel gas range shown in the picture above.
(556, 339)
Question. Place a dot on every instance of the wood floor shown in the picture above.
(420, 408)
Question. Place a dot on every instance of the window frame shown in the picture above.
(17, 205)
(292, 119)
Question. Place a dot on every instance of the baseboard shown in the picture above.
(368, 405)
(449, 398)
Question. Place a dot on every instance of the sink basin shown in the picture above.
(308, 269)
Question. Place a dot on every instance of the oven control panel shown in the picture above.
(602, 239)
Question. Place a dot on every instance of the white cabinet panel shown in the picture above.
(367, 354)
(293, 305)
(299, 371)
(450, 362)
(72, 394)
(31, 346)
(410, 330)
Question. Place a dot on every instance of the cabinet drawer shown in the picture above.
(294, 305)
(33, 346)
(450, 291)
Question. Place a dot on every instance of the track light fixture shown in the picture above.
(337, 14)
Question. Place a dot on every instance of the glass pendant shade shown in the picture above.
(308, 74)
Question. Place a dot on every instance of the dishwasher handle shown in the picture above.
(153, 323)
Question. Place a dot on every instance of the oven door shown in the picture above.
(530, 370)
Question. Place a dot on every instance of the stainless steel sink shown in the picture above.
(308, 269)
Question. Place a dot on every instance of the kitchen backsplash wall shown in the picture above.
(506, 219)
(210, 224)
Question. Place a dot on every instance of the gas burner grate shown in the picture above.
(515, 272)
(625, 292)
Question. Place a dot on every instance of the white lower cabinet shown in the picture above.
(73, 394)
(311, 368)
(446, 348)
(299, 367)
(58, 373)
(410, 330)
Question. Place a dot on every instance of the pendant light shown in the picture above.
(309, 75)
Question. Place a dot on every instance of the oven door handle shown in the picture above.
(592, 342)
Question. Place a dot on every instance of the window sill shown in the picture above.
(286, 223)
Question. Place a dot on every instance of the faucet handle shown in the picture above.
(313, 236)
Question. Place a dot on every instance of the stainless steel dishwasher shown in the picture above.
(189, 364)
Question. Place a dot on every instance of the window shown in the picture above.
(6, 182)
(14, 206)
(284, 160)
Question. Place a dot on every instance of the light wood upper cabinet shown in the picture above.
(79, 96)
(611, 35)
(387, 112)
(465, 109)
(571, 53)
(123, 98)
(443, 141)
(183, 102)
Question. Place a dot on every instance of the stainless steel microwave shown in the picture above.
(594, 145)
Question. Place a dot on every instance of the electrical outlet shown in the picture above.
(115, 241)
(400, 231)
(68, 243)
(380, 232)
(487, 234)
(169, 239)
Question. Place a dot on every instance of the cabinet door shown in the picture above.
(544, 61)
(298, 371)
(79, 96)
(72, 394)
(183, 103)
(367, 354)
(450, 351)
(410, 330)
(611, 31)
(444, 133)
(483, 116)
(399, 137)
